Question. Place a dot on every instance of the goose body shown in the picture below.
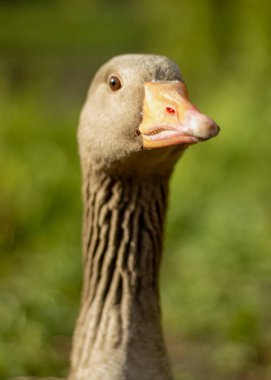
(135, 124)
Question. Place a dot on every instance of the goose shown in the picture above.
(135, 124)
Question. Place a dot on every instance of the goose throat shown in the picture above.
(119, 323)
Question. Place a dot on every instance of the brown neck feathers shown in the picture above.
(118, 333)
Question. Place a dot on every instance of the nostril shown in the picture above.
(170, 110)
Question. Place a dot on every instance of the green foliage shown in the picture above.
(216, 274)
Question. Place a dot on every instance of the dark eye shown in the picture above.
(114, 83)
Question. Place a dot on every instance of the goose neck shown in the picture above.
(119, 323)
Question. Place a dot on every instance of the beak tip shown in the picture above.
(216, 129)
(212, 128)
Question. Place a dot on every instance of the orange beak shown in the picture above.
(170, 119)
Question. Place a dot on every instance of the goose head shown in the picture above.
(137, 119)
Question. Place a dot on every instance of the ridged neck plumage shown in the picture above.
(118, 333)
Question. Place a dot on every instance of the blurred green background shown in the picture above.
(216, 276)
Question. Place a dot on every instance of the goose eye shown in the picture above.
(114, 83)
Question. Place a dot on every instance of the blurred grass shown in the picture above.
(216, 276)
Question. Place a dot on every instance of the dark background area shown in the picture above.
(216, 276)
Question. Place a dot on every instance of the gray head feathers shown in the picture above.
(108, 122)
